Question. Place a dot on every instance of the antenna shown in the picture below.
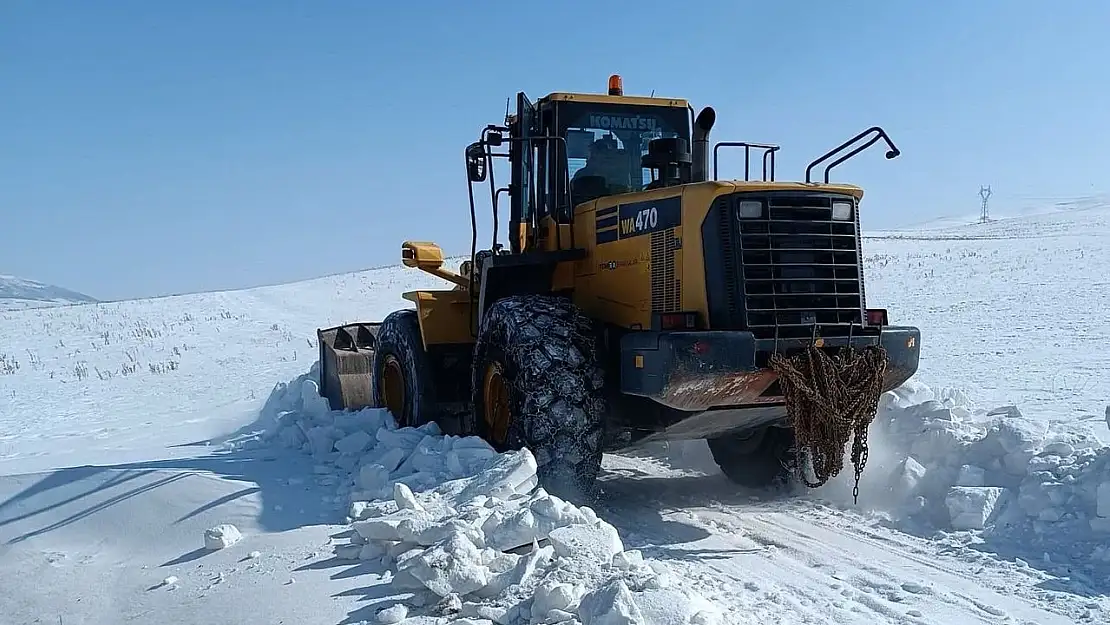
(984, 214)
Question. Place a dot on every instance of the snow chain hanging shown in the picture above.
(830, 399)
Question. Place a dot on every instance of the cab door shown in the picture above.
(522, 180)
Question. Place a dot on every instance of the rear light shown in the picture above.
(876, 317)
(701, 347)
(678, 321)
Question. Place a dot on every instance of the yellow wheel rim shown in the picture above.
(393, 387)
(495, 403)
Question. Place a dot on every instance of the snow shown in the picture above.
(1009, 213)
(1005, 310)
(103, 373)
(444, 518)
(1029, 485)
(221, 537)
(136, 436)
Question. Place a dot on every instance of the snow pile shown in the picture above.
(467, 531)
(1011, 479)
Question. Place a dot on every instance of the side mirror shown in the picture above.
(476, 162)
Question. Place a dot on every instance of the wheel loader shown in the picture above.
(640, 297)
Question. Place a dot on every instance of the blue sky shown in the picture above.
(151, 148)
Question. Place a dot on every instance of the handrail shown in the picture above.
(893, 152)
(768, 151)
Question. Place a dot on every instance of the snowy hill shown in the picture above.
(18, 293)
(1011, 312)
(128, 429)
(1095, 202)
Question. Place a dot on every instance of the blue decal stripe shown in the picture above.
(607, 222)
(606, 236)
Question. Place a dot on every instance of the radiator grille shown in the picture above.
(800, 268)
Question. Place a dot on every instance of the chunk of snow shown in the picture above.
(628, 559)
(612, 604)
(708, 617)
(1005, 411)
(373, 478)
(221, 536)
(453, 566)
(348, 552)
(674, 606)
(404, 498)
(971, 506)
(971, 475)
(911, 474)
(393, 614)
(1099, 525)
(371, 551)
(353, 443)
(321, 440)
(552, 595)
(598, 541)
(1019, 434)
(357, 509)
(1102, 500)
(1059, 448)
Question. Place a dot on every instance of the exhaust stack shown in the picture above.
(699, 169)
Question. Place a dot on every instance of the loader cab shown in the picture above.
(572, 148)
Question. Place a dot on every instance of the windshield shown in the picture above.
(605, 145)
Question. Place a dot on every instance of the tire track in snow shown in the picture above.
(800, 561)
(885, 576)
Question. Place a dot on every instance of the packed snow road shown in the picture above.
(789, 558)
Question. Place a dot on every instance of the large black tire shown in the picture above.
(762, 459)
(400, 353)
(545, 352)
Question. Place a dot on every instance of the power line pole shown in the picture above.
(984, 214)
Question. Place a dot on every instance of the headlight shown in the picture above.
(750, 209)
(842, 211)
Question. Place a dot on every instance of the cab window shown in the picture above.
(604, 152)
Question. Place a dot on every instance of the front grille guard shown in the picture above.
(813, 335)
(785, 209)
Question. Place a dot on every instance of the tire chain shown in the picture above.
(562, 410)
(829, 400)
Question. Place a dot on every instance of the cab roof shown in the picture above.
(600, 98)
(784, 185)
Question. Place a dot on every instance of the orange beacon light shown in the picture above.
(616, 85)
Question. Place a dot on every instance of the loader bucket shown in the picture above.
(346, 365)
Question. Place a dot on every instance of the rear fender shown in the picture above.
(445, 316)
